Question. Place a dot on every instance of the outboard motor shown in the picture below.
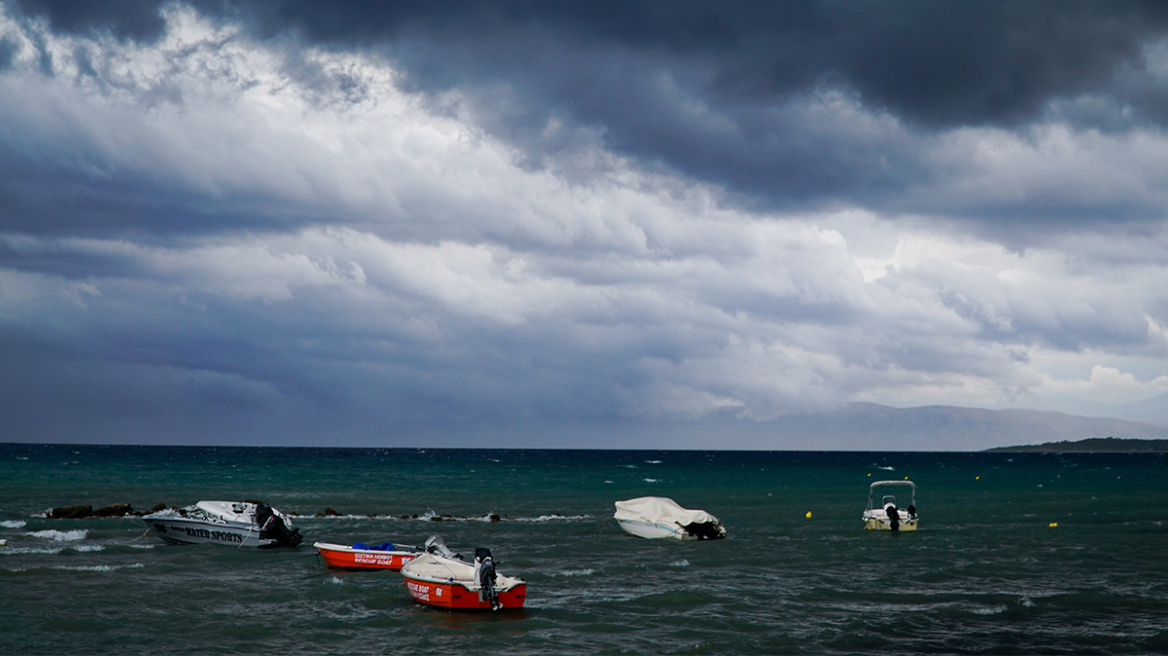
(274, 528)
(893, 517)
(485, 576)
(437, 546)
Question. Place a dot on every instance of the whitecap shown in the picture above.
(61, 536)
(993, 610)
(552, 518)
(652, 480)
(96, 568)
(653, 462)
(680, 563)
(13, 523)
(575, 572)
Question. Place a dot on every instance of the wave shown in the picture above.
(554, 517)
(52, 551)
(61, 536)
(79, 568)
(432, 516)
(574, 572)
(13, 523)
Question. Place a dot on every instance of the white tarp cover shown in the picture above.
(660, 510)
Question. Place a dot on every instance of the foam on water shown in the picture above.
(60, 536)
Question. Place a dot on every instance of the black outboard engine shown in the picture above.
(893, 517)
(485, 575)
(274, 528)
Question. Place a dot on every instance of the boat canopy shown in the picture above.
(905, 483)
(660, 510)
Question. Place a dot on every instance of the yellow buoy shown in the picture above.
(977, 478)
(808, 514)
(1054, 524)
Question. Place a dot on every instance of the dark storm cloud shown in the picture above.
(775, 101)
(937, 63)
(127, 19)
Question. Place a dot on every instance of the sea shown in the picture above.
(1016, 553)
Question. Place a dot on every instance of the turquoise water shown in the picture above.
(985, 574)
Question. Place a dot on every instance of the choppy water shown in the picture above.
(985, 574)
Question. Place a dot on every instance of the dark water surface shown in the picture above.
(987, 573)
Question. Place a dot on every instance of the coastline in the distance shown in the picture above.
(1091, 445)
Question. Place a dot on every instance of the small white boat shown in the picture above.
(659, 517)
(234, 523)
(886, 515)
(442, 578)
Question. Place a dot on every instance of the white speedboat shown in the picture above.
(886, 515)
(659, 517)
(234, 523)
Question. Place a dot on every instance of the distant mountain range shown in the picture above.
(872, 427)
(854, 427)
(868, 425)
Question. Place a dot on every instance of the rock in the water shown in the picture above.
(114, 510)
(71, 512)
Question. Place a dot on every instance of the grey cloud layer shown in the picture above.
(305, 221)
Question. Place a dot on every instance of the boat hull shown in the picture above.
(880, 523)
(232, 523)
(652, 531)
(177, 530)
(336, 555)
(455, 596)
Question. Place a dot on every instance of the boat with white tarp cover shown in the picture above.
(660, 517)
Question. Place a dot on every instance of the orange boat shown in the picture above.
(360, 556)
(441, 578)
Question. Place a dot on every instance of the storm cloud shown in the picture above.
(535, 223)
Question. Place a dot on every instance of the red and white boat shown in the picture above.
(360, 556)
(441, 578)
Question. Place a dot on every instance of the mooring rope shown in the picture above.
(140, 536)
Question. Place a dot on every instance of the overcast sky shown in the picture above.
(533, 223)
